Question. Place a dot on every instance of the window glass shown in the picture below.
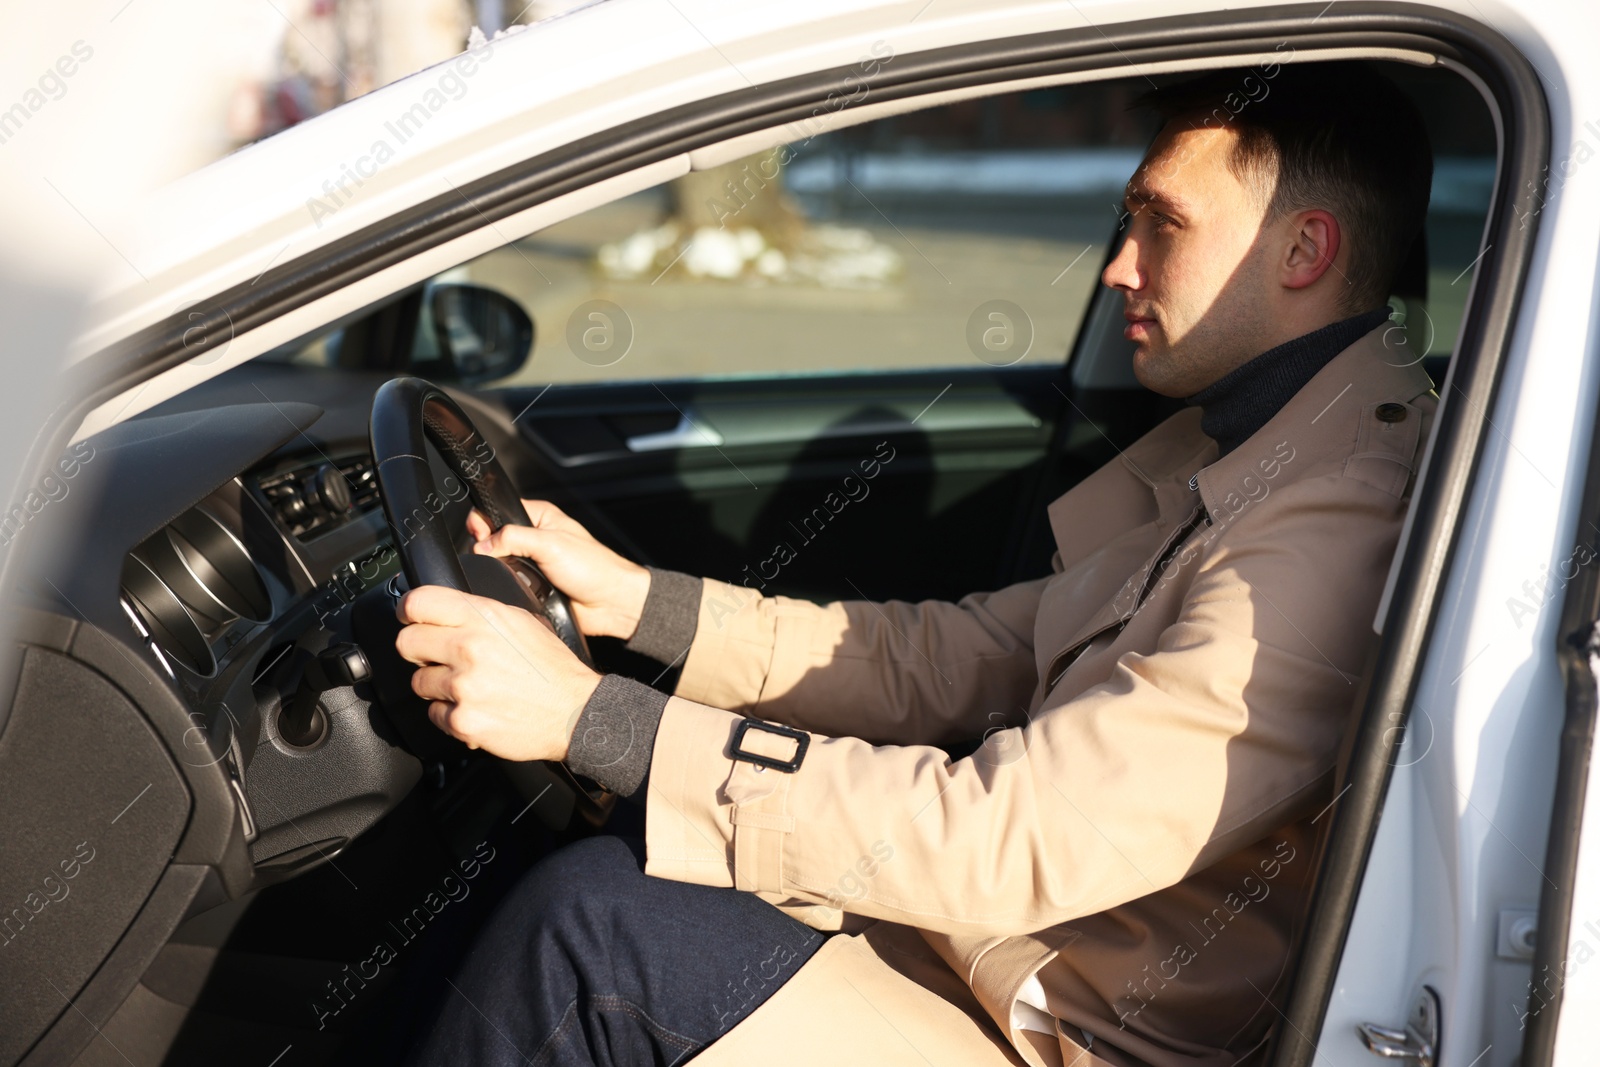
(908, 242)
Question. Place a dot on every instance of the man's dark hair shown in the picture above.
(1337, 136)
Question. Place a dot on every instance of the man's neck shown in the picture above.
(1239, 403)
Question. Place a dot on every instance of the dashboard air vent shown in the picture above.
(319, 497)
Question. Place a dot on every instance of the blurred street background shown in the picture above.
(284, 61)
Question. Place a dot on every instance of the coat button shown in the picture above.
(1391, 412)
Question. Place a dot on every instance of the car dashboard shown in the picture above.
(192, 568)
(219, 552)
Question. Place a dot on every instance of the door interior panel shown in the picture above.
(889, 485)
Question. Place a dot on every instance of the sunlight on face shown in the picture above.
(1192, 268)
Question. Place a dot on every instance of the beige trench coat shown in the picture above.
(1135, 834)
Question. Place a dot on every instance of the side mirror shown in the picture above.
(481, 335)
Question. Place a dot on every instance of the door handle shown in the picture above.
(687, 434)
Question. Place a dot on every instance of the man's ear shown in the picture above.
(1315, 239)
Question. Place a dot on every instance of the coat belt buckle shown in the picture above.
(801, 739)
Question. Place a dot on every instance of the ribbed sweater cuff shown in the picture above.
(615, 734)
(670, 617)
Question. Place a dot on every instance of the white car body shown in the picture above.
(1460, 849)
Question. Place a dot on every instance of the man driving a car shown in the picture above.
(1117, 871)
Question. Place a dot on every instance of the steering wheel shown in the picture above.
(407, 413)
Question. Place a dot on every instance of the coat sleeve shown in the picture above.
(926, 673)
(1224, 730)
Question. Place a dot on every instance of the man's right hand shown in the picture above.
(607, 591)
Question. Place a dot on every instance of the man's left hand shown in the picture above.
(497, 677)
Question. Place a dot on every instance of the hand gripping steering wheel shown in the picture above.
(406, 413)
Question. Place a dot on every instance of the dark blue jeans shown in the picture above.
(590, 961)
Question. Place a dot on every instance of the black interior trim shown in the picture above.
(1461, 425)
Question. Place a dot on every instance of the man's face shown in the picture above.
(1193, 269)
